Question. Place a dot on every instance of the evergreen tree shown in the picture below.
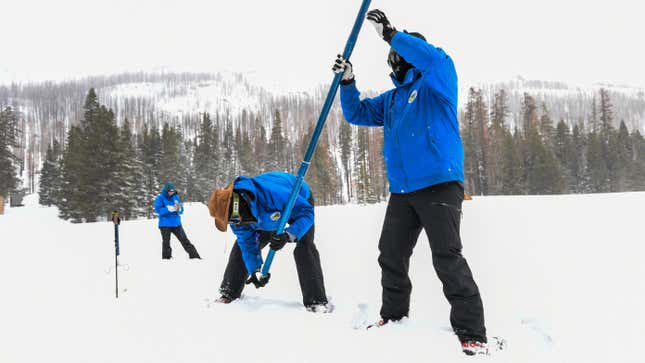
(579, 184)
(277, 145)
(607, 138)
(594, 123)
(543, 171)
(150, 154)
(482, 142)
(606, 110)
(91, 158)
(230, 153)
(636, 180)
(205, 166)
(361, 167)
(321, 172)
(511, 173)
(248, 160)
(469, 140)
(260, 148)
(621, 149)
(71, 204)
(50, 176)
(345, 140)
(546, 127)
(529, 114)
(497, 132)
(129, 193)
(184, 167)
(8, 145)
(596, 171)
(565, 153)
(191, 192)
(378, 173)
(170, 168)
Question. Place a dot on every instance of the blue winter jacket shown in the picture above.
(166, 217)
(270, 195)
(422, 146)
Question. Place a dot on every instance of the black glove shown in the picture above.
(383, 27)
(257, 279)
(279, 240)
(344, 66)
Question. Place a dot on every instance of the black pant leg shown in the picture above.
(310, 273)
(185, 242)
(401, 229)
(166, 251)
(439, 209)
(234, 274)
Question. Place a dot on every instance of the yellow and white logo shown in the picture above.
(275, 216)
(413, 96)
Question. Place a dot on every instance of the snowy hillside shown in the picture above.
(225, 93)
(560, 276)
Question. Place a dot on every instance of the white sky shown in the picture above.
(290, 44)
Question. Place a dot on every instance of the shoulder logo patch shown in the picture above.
(275, 216)
(413, 96)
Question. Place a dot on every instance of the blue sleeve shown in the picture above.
(302, 216)
(367, 112)
(160, 208)
(437, 67)
(249, 247)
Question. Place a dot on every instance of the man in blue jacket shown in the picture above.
(252, 207)
(169, 208)
(424, 160)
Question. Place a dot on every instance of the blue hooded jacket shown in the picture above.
(270, 195)
(163, 200)
(422, 146)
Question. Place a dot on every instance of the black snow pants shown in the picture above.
(166, 251)
(437, 210)
(308, 266)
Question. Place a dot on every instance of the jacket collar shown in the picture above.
(410, 77)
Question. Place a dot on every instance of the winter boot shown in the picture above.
(473, 347)
(384, 321)
(378, 324)
(224, 299)
(320, 308)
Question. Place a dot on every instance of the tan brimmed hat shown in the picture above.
(218, 206)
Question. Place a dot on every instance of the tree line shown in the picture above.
(103, 166)
(532, 156)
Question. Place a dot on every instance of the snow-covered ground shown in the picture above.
(561, 278)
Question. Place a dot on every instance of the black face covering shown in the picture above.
(399, 66)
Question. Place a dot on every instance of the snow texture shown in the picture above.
(560, 277)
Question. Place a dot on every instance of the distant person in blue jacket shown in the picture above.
(252, 207)
(169, 208)
(424, 160)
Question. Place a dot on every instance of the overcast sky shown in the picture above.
(290, 44)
